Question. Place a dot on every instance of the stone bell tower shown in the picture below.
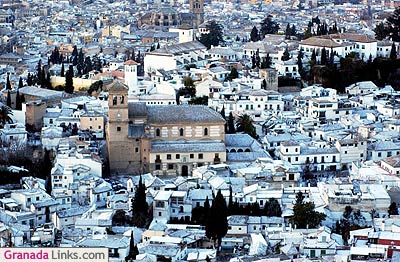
(197, 9)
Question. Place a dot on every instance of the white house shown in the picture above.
(391, 164)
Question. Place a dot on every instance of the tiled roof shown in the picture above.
(183, 114)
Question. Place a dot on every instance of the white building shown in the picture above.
(391, 164)
(172, 57)
(130, 76)
(313, 157)
(342, 44)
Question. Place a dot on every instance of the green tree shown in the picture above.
(29, 80)
(231, 124)
(393, 25)
(308, 33)
(393, 52)
(18, 102)
(8, 98)
(304, 214)
(223, 112)
(293, 30)
(20, 83)
(245, 124)
(140, 206)
(268, 26)
(214, 36)
(88, 65)
(8, 83)
(69, 84)
(323, 56)
(203, 100)
(300, 56)
(133, 250)
(272, 208)
(62, 73)
(5, 115)
(217, 223)
(232, 75)
(47, 165)
(286, 55)
(39, 73)
(393, 210)
(254, 35)
(381, 32)
(288, 31)
(266, 62)
(313, 59)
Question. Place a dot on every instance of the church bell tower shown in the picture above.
(197, 9)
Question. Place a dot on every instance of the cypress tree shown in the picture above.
(393, 53)
(286, 55)
(43, 79)
(217, 223)
(223, 112)
(20, 83)
(29, 80)
(18, 102)
(139, 206)
(69, 84)
(231, 124)
(62, 73)
(8, 99)
(39, 72)
(323, 56)
(133, 250)
(8, 85)
(254, 35)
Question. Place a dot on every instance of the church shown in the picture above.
(164, 140)
(167, 16)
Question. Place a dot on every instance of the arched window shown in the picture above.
(181, 132)
(206, 131)
(157, 132)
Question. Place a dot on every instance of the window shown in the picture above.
(178, 156)
(170, 166)
(157, 132)
(289, 159)
(158, 167)
(191, 155)
(181, 132)
(118, 128)
(169, 156)
(206, 131)
(114, 100)
(379, 154)
(200, 156)
(136, 150)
